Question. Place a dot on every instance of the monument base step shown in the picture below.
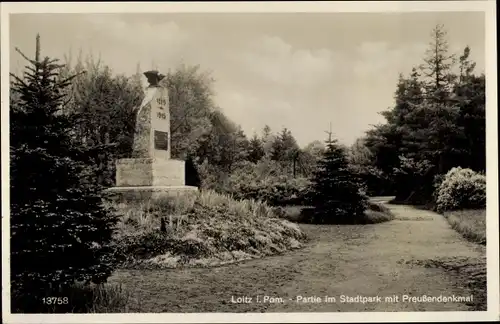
(149, 172)
(144, 193)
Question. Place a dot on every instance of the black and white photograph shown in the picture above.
(186, 162)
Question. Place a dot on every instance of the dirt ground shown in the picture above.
(414, 255)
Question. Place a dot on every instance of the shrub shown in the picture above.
(265, 181)
(461, 189)
(296, 214)
(377, 207)
(278, 191)
(377, 213)
(211, 177)
(209, 227)
(60, 228)
(374, 214)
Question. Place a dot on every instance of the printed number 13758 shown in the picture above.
(55, 300)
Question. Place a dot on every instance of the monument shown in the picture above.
(151, 172)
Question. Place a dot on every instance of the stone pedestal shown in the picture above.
(150, 173)
(144, 193)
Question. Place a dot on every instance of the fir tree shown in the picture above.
(266, 133)
(336, 191)
(267, 140)
(284, 147)
(470, 95)
(438, 67)
(240, 145)
(60, 228)
(466, 66)
(255, 149)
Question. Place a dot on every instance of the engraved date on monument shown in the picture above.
(161, 140)
(161, 101)
(161, 115)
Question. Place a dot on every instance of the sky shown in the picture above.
(302, 71)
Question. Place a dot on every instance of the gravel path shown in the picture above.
(414, 255)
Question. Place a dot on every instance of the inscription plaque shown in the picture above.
(161, 140)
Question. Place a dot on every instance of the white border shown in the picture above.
(489, 7)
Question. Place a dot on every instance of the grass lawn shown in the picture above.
(471, 223)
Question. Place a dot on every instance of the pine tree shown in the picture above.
(466, 66)
(277, 151)
(255, 149)
(438, 67)
(336, 192)
(284, 147)
(266, 133)
(437, 122)
(240, 145)
(267, 140)
(470, 94)
(60, 228)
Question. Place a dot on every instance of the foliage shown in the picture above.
(461, 189)
(376, 181)
(78, 298)
(377, 213)
(267, 140)
(212, 178)
(470, 94)
(255, 149)
(221, 148)
(60, 229)
(284, 147)
(106, 107)
(270, 168)
(309, 157)
(413, 179)
(296, 214)
(212, 145)
(437, 123)
(191, 108)
(204, 229)
(336, 191)
(266, 181)
(438, 66)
